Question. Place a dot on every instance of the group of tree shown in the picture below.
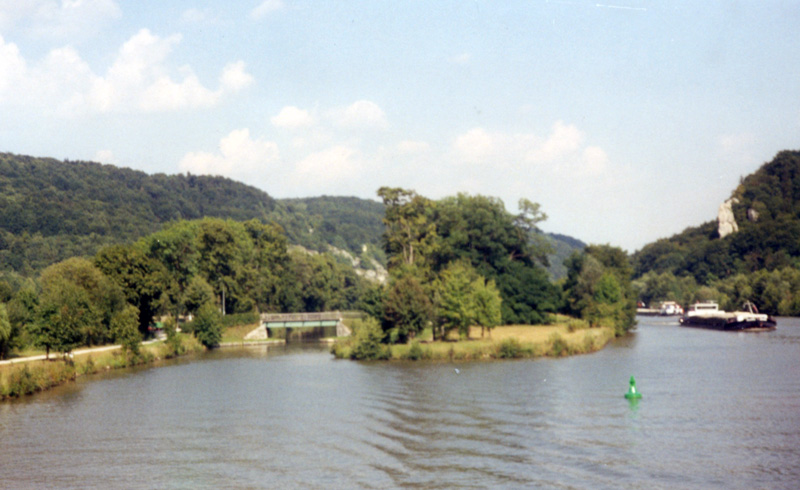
(466, 261)
(758, 262)
(52, 210)
(205, 268)
(457, 262)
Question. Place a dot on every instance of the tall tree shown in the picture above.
(140, 277)
(410, 233)
(407, 309)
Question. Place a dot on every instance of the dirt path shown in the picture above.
(78, 352)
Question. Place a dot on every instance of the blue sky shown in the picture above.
(626, 120)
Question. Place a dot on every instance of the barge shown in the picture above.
(708, 315)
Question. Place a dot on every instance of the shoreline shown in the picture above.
(506, 342)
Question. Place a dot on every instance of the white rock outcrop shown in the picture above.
(726, 223)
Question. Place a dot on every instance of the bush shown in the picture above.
(173, 347)
(559, 346)
(509, 349)
(366, 341)
(415, 352)
(208, 326)
(236, 319)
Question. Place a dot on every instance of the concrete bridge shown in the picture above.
(299, 326)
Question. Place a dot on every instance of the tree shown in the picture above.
(65, 313)
(124, 325)
(407, 309)
(367, 340)
(410, 233)
(7, 334)
(221, 246)
(501, 247)
(456, 308)
(140, 277)
(198, 293)
(208, 326)
(86, 292)
(488, 311)
(598, 287)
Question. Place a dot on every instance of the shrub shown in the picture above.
(559, 346)
(509, 349)
(208, 326)
(366, 341)
(415, 352)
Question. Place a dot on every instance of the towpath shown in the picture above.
(77, 352)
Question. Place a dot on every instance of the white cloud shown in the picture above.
(53, 19)
(239, 156)
(564, 140)
(476, 146)
(265, 8)
(326, 170)
(362, 114)
(139, 79)
(411, 147)
(12, 68)
(234, 77)
(292, 117)
(563, 145)
(595, 160)
(104, 156)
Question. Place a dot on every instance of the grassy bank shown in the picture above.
(565, 337)
(31, 377)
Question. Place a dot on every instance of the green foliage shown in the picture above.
(173, 345)
(139, 276)
(366, 342)
(26, 380)
(407, 309)
(766, 209)
(599, 289)
(52, 210)
(558, 346)
(207, 325)
(7, 333)
(415, 352)
(510, 349)
(410, 232)
(477, 230)
(125, 327)
(198, 292)
(80, 295)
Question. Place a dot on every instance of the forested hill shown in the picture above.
(51, 210)
(767, 212)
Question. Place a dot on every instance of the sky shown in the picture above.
(626, 120)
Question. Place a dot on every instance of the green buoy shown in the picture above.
(632, 393)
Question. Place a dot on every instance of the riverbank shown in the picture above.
(25, 376)
(564, 338)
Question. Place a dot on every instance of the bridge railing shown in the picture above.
(301, 317)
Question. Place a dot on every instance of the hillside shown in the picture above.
(767, 211)
(51, 210)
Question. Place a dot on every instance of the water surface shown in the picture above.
(720, 410)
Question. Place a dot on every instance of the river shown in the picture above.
(719, 410)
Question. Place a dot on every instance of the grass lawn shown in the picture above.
(565, 337)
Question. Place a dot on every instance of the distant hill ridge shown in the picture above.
(767, 211)
(51, 210)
